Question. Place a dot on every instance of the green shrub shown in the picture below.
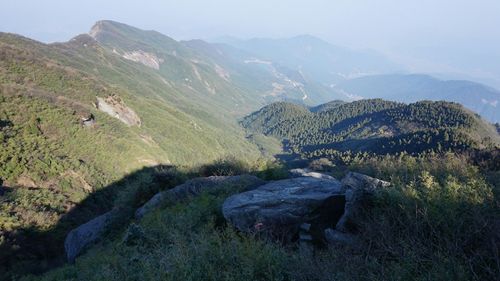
(229, 166)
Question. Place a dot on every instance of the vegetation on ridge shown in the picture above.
(373, 127)
(439, 221)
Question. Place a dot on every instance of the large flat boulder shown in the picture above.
(86, 234)
(196, 186)
(280, 205)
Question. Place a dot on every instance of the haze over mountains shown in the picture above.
(356, 74)
(414, 87)
(303, 69)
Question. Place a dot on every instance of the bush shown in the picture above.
(229, 166)
(322, 165)
(271, 170)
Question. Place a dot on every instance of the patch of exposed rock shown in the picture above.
(96, 29)
(87, 120)
(115, 107)
(222, 72)
(195, 187)
(147, 59)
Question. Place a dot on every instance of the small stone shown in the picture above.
(305, 237)
(333, 236)
(305, 227)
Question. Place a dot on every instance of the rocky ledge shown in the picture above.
(280, 208)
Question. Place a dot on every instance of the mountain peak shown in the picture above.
(109, 26)
(97, 28)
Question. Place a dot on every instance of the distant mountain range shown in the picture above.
(315, 58)
(354, 75)
(411, 88)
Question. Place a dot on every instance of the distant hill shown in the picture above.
(374, 126)
(481, 99)
(264, 77)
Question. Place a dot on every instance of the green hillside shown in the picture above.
(59, 147)
(373, 126)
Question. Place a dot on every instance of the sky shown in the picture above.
(451, 37)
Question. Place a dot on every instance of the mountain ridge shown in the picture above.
(374, 126)
(478, 97)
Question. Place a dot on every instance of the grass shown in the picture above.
(182, 242)
(46, 155)
(438, 221)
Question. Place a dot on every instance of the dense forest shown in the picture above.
(372, 127)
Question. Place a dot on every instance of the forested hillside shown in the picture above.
(373, 126)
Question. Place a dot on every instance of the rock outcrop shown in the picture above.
(147, 59)
(88, 120)
(196, 186)
(281, 205)
(115, 107)
(86, 234)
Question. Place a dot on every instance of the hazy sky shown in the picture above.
(460, 36)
